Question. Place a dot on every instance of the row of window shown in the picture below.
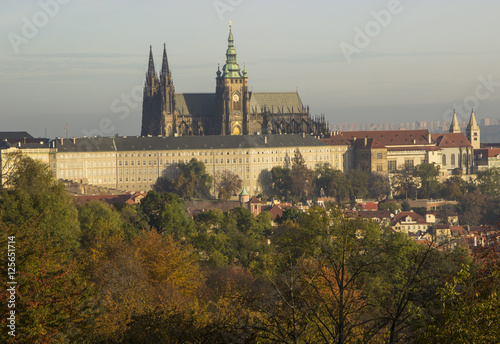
(452, 159)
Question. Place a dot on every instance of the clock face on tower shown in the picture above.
(236, 98)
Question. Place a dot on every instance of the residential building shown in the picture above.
(487, 158)
(409, 222)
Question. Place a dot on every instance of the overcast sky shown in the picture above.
(77, 62)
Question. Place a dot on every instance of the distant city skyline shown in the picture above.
(83, 63)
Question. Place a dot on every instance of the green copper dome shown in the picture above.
(231, 69)
(244, 192)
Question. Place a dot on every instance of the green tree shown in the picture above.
(428, 174)
(133, 220)
(290, 214)
(38, 198)
(469, 313)
(339, 186)
(474, 205)
(192, 181)
(98, 221)
(403, 183)
(359, 183)
(489, 182)
(302, 177)
(167, 214)
(405, 206)
(453, 188)
(282, 181)
(322, 176)
(392, 206)
(318, 281)
(378, 186)
(405, 284)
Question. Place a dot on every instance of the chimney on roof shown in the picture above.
(366, 141)
(265, 139)
(303, 135)
(73, 139)
(429, 138)
(62, 141)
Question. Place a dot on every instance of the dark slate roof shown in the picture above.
(106, 144)
(195, 104)
(32, 144)
(14, 135)
(276, 102)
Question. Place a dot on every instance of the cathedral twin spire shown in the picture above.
(165, 70)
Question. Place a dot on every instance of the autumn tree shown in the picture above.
(319, 278)
(227, 184)
(44, 222)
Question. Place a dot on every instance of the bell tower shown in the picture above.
(473, 133)
(232, 95)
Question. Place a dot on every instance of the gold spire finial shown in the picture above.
(230, 24)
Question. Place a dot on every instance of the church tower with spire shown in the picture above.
(232, 97)
(472, 132)
(454, 127)
(151, 102)
(167, 90)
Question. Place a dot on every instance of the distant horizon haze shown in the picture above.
(83, 63)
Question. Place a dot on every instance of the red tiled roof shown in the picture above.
(413, 148)
(412, 214)
(447, 140)
(336, 140)
(255, 200)
(369, 143)
(392, 137)
(458, 231)
(380, 214)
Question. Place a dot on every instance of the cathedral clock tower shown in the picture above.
(232, 95)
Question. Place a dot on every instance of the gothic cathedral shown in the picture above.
(232, 110)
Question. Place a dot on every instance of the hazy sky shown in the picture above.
(354, 61)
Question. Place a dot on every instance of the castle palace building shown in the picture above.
(231, 110)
